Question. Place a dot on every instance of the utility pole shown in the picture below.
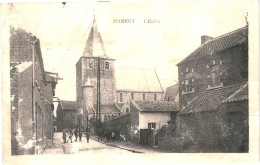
(98, 95)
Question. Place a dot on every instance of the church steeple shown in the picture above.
(94, 46)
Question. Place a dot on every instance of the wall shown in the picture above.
(216, 132)
(159, 118)
(138, 96)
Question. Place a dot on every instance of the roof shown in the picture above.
(137, 80)
(155, 106)
(171, 92)
(94, 46)
(211, 99)
(222, 42)
(241, 94)
(109, 108)
(68, 105)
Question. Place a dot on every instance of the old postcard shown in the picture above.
(127, 82)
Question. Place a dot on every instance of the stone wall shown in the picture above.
(214, 131)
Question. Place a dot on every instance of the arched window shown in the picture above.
(108, 117)
(112, 117)
(90, 64)
(106, 65)
(105, 117)
(127, 110)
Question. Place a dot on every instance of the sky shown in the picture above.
(63, 31)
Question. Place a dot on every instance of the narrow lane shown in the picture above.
(84, 147)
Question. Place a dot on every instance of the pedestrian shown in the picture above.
(64, 136)
(113, 136)
(76, 133)
(70, 135)
(87, 135)
(80, 133)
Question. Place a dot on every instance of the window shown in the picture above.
(105, 117)
(220, 62)
(207, 65)
(214, 78)
(151, 125)
(192, 80)
(108, 117)
(112, 117)
(186, 82)
(132, 96)
(127, 110)
(106, 65)
(214, 62)
(208, 76)
(220, 73)
(182, 82)
(90, 64)
(143, 96)
(155, 97)
(192, 70)
(121, 97)
(187, 70)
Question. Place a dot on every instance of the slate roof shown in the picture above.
(155, 106)
(211, 99)
(241, 94)
(94, 46)
(68, 105)
(110, 108)
(137, 80)
(171, 92)
(222, 42)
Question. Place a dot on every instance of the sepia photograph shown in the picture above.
(171, 79)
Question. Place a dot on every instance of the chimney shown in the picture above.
(205, 38)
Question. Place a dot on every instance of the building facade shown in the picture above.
(32, 91)
(66, 115)
(214, 95)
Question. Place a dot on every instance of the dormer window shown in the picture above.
(90, 64)
(106, 65)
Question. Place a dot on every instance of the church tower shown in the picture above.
(86, 77)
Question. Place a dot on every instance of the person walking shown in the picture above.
(70, 135)
(113, 136)
(80, 133)
(87, 135)
(64, 136)
(76, 133)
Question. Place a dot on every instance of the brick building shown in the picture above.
(66, 115)
(32, 91)
(214, 94)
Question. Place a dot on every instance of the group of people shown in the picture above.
(106, 135)
(68, 134)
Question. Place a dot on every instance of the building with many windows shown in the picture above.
(213, 94)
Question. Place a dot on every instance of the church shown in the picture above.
(117, 85)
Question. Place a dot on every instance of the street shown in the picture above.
(84, 147)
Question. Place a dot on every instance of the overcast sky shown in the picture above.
(63, 31)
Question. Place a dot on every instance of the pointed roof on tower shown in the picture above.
(94, 46)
